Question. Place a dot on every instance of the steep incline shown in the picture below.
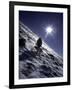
(45, 64)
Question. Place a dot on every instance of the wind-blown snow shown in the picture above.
(45, 64)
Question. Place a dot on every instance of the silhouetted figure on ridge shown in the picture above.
(38, 45)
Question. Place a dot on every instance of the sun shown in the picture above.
(49, 30)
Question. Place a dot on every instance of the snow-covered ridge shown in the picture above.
(45, 64)
(35, 38)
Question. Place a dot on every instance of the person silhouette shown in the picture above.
(38, 45)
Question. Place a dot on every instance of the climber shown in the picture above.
(38, 45)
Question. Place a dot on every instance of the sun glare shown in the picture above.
(49, 30)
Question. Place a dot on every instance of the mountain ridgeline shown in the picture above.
(45, 64)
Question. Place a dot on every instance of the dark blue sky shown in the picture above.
(38, 21)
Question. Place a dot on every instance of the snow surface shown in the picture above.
(45, 64)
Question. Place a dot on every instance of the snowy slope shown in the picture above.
(45, 64)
